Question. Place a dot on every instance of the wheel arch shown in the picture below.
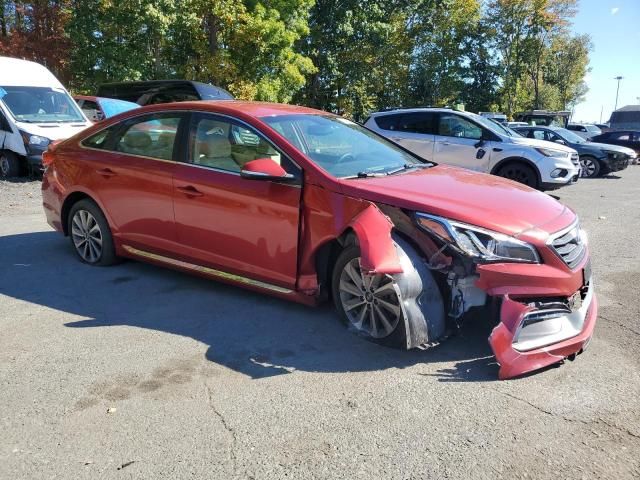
(526, 161)
(69, 201)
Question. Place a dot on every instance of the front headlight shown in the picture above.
(611, 154)
(550, 152)
(35, 139)
(479, 243)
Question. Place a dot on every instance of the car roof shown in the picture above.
(239, 107)
(415, 110)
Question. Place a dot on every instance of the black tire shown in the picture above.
(590, 166)
(421, 312)
(9, 164)
(107, 254)
(521, 173)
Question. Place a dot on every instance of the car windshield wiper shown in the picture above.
(409, 166)
(365, 175)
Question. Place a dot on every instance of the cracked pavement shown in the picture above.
(211, 381)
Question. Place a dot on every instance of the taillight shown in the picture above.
(48, 157)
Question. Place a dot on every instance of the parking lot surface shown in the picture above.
(135, 371)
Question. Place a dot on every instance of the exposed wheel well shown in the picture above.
(512, 160)
(72, 199)
(326, 257)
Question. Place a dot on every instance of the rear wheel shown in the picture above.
(520, 173)
(9, 164)
(590, 166)
(90, 234)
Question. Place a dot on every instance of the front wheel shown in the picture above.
(590, 167)
(403, 310)
(520, 173)
(9, 164)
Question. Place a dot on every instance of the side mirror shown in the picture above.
(560, 141)
(265, 169)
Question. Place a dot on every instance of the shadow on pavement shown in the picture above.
(254, 334)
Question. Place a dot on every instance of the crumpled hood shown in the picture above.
(476, 198)
(606, 146)
(534, 142)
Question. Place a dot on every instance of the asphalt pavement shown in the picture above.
(139, 372)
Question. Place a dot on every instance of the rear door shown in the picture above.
(458, 143)
(244, 227)
(133, 178)
(413, 130)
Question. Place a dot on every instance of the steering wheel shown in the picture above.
(345, 157)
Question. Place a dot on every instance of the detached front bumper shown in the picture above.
(533, 336)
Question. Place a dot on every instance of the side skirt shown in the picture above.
(219, 275)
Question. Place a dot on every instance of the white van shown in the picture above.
(35, 109)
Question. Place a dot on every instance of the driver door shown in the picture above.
(240, 226)
(458, 143)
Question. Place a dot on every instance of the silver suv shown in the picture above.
(468, 140)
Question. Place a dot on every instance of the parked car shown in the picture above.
(595, 158)
(98, 108)
(468, 140)
(544, 117)
(307, 206)
(162, 91)
(35, 109)
(623, 138)
(585, 131)
(604, 127)
(516, 124)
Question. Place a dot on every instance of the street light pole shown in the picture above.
(618, 78)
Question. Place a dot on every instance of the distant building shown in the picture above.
(626, 118)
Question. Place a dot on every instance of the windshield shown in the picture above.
(504, 129)
(341, 147)
(569, 136)
(41, 105)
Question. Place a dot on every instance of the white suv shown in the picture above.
(468, 140)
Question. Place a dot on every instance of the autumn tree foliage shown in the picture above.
(36, 31)
(346, 56)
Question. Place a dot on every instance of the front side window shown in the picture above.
(539, 134)
(455, 126)
(223, 144)
(100, 140)
(621, 136)
(149, 137)
(341, 147)
(41, 105)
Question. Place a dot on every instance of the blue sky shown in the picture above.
(614, 28)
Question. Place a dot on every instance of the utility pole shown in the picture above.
(601, 108)
(618, 78)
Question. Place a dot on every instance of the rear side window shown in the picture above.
(620, 136)
(150, 137)
(413, 122)
(100, 140)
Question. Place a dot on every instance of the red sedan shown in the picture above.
(309, 206)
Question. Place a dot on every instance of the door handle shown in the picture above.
(190, 191)
(496, 149)
(106, 172)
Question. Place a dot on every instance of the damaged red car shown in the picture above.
(309, 206)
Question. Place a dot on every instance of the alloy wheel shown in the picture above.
(86, 235)
(588, 167)
(370, 302)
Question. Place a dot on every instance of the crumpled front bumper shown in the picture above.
(560, 334)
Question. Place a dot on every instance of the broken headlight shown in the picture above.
(484, 245)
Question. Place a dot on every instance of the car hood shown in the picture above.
(534, 142)
(479, 199)
(53, 131)
(606, 146)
